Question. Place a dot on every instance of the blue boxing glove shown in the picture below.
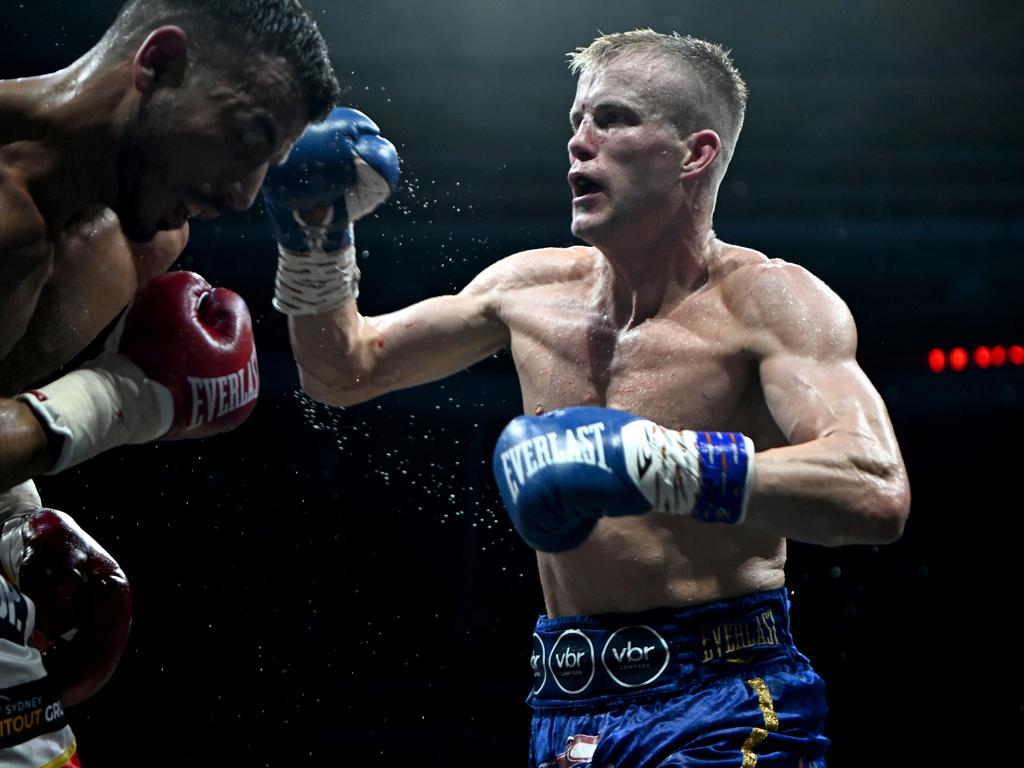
(339, 171)
(560, 472)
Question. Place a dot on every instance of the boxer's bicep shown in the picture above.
(810, 398)
(842, 479)
(436, 338)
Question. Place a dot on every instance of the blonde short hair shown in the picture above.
(715, 96)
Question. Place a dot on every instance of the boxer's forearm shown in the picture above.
(345, 358)
(833, 491)
(331, 355)
(24, 444)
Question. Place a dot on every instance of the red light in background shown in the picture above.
(958, 358)
(982, 357)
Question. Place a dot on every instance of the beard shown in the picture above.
(136, 171)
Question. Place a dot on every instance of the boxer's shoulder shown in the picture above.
(781, 303)
(95, 245)
(542, 268)
(156, 256)
(516, 286)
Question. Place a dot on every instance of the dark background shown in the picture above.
(342, 587)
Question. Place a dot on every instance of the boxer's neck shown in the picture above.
(648, 278)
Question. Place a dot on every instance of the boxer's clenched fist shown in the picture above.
(197, 342)
(181, 364)
(339, 171)
(560, 472)
(83, 603)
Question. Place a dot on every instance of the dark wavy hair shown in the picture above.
(274, 27)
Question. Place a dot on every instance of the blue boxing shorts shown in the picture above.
(716, 684)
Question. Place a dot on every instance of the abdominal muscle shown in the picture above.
(655, 560)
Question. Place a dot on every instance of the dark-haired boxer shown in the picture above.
(175, 113)
(725, 412)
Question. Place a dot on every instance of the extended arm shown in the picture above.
(338, 172)
(345, 358)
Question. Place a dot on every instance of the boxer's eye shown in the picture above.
(248, 139)
(251, 139)
(615, 116)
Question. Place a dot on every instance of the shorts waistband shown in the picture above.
(29, 710)
(583, 660)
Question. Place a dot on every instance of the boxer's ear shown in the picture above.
(161, 60)
(702, 148)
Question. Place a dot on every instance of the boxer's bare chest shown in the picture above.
(685, 368)
(92, 277)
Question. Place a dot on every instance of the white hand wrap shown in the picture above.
(315, 282)
(106, 403)
(319, 281)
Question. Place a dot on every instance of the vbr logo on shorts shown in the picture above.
(572, 661)
(635, 656)
(538, 663)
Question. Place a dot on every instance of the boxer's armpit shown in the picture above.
(26, 261)
(21, 224)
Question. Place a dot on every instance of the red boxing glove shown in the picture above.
(182, 363)
(82, 598)
(197, 341)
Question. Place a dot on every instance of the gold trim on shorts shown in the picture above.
(771, 722)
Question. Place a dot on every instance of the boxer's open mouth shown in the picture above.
(583, 185)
